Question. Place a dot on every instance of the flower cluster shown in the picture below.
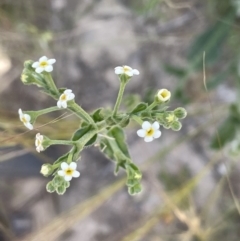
(103, 127)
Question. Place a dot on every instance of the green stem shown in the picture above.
(45, 111)
(119, 98)
(137, 119)
(51, 83)
(61, 142)
(154, 104)
(77, 110)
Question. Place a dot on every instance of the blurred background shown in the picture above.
(191, 178)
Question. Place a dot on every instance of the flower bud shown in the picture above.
(163, 95)
(61, 190)
(57, 181)
(50, 187)
(28, 65)
(46, 170)
(180, 113)
(27, 77)
(176, 125)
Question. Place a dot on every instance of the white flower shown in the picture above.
(149, 131)
(38, 142)
(126, 70)
(25, 119)
(68, 171)
(66, 96)
(164, 95)
(44, 64)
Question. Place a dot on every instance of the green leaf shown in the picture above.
(217, 79)
(62, 158)
(174, 70)
(210, 42)
(118, 134)
(106, 149)
(61, 90)
(140, 107)
(97, 116)
(226, 133)
(81, 132)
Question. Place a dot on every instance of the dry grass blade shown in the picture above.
(67, 220)
(171, 203)
(219, 139)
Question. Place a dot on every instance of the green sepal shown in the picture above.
(61, 90)
(135, 189)
(132, 182)
(66, 184)
(139, 108)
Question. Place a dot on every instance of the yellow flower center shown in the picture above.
(150, 132)
(24, 120)
(38, 142)
(43, 64)
(69, 172)
(137, 176)
(164, 94)
(125, 69)
(170, 118)
(63, 97)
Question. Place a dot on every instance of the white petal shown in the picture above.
(148, 139)
(29, 126)
(59, 104)
(20, 113)
(61, 173)
(43, 58)
(141, 133)
(135, 72)
(70, 96)
(64, 166)
(64, 104)
(38, 149)
(51, 61)
(157, 134)
(73, 165)
(48, 68)
(129, 73)
(119, 70)
(39, 70)
(68, 178)
(76, 174)
(146, 125)
(155, 125)
(27, 117)
(35, 64)
(68, 91)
